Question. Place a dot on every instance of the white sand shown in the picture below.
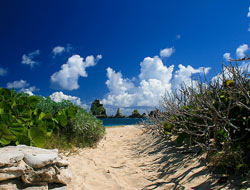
(128, 159)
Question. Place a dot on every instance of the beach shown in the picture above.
(127, 158)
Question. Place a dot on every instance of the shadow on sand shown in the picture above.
(180, 167)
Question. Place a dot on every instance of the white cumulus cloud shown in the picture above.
(67, 77)
(116, 83)
(154, 80)
(29, 90)
(184, 75)
(227, 56)
(167, 52)
(243, 67)
(18, 84)
(58, 50)
(3, 72)
(59, 96)
(248, 14)
(22, 86)
(28, 59)
(241, 50)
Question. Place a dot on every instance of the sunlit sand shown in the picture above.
(128, 159)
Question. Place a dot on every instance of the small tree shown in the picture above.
(97, 108)
(135, 112)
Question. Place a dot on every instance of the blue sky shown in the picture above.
(136, 49)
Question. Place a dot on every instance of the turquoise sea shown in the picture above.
(109, 122)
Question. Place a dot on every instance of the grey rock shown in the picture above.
(42, 175)
(18, 185)
(8, 185)
(33, 156)
(10, 158)
(118, 113)
(10, 173)
(49, 175)
(35, 168)
(62, 163)
(64, 177)
(39, 160)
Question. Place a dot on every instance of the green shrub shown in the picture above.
(48, 105)
(21, 122)
(83, 130)
(215, 116)
(97, 108)
(86, 129)
(38, 121)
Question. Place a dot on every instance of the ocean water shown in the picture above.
(109, 122)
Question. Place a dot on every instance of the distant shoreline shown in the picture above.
(112, 122)
(117, 126)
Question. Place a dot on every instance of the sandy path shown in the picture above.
(112, 165)
(128, 159)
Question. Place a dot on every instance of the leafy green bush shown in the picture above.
(86, 129)
(46, 104)
(21, 122)
(38, 121)
(97, 108)
(135, 112)
(83, 130)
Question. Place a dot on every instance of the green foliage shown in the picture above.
(35, 121)
(167, 128)
(97, 108)
(215, 116)
(20, 120)
(135, 112)
(48, 105)
(86, 129)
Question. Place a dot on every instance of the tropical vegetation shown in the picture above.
(214, 116)
(39, 121)
(97, 109)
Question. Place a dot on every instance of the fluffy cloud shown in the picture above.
(227, 56)
(167, 52)
(3, 72)
(154, 80)
(248, 14)
(184, 75)
(58, 50)
(116, 83)
(67, 77)
(27, 59)
(59, 96)
(22, 86)
(153, 68)
(29, 90)
(243, 67)
(18, 84)
(241, 50)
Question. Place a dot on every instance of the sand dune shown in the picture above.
(128, 159)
